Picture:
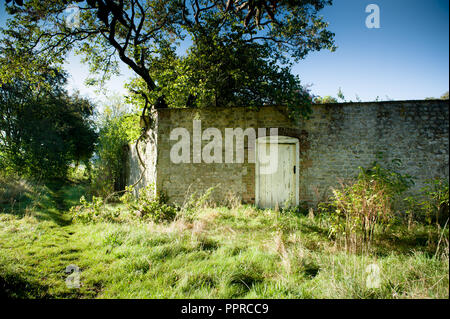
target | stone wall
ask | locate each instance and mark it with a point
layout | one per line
(334, 142)
(342, 137)
(148, 154)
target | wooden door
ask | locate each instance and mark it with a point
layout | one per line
(277, 172)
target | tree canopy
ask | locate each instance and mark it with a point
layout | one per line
(43, 128)
(241, 50)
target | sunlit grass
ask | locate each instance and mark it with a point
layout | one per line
(212, 253)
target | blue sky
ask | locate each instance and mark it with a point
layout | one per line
(406, 58)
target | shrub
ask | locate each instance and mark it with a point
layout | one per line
(436, 203)
(149, 205)
(325, 100)
(145, 207)
(432, 204)
(361, 206)
(13, 189)
(88, 212)
(195, 201)
(114, 136)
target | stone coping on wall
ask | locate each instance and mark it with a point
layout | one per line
(430, 102)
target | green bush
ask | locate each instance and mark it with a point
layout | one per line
(148, 205)
(43, 128)
(196, 201)
(432, 204)
(88, 212)
(365, 204)
(114, 136)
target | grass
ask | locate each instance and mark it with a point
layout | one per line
(239, 252)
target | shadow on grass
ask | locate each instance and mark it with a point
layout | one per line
(49, 202)
(424, 240)
(15, 287)
(398, 239)
(322, 232)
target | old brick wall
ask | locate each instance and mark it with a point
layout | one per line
(334, 142)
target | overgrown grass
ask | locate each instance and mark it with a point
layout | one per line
(219, 252)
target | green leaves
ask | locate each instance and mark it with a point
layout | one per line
(389, 176)
(219, 71)
(43, 129)
(366, 203)
(240, 49)
(148, 206)
(432, 203)
(117, 129)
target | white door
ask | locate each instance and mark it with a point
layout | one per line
(277, 172)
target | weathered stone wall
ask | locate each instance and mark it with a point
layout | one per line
(148, 153)
(334, 142)
(230, 179)
(341, 137)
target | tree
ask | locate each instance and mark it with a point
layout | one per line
(118, 127)
(221, 74)
(139, 32)
(331, 99)
(325, 99)
(43, 128)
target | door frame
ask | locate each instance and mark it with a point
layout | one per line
(277, 140)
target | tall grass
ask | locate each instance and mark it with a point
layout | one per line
(212, 251)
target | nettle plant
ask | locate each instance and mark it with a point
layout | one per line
(361, 206)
